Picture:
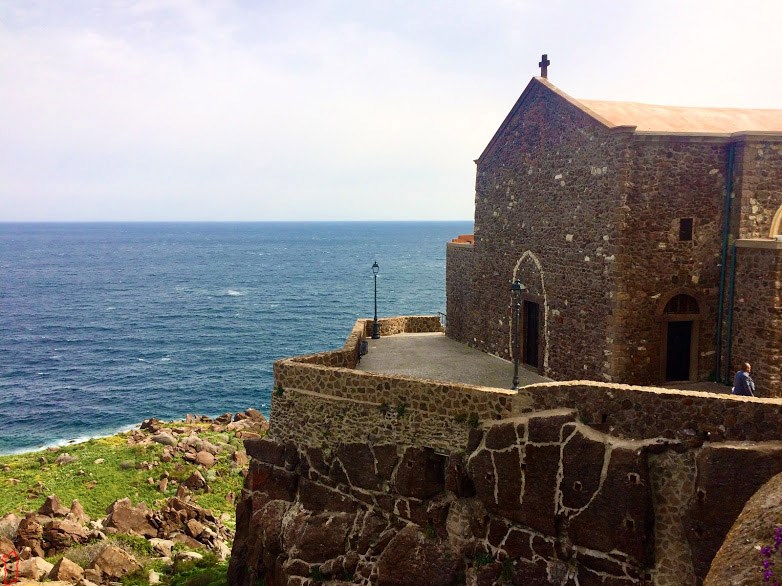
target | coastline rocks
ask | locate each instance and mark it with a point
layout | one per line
(205, 459)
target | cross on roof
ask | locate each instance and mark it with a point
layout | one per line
(544, 63)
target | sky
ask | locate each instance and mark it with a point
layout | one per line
(185, 110)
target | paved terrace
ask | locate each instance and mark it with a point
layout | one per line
(433, 356)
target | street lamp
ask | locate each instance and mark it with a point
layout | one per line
(516, 290)
(375, 334)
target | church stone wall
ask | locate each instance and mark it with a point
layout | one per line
(548, 195)
(458, 290)
(757, 314)
(758, 185)
(672, 178)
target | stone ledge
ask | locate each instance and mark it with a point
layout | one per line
(763, 243)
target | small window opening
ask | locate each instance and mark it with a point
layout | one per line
(685, 229)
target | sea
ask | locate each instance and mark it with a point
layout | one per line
(103, 325)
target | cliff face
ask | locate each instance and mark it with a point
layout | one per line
(538, 499)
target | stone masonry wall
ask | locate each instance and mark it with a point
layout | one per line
(758, 185)
(672, 178)
(757, 316)
(548, 195)
(539, 499)
(458, 288)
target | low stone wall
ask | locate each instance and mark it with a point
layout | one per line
(322, 398)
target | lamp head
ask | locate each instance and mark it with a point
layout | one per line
(375, 268)
(517, 288)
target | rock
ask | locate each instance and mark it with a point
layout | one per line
(8, 525)
(67, 571)
(29, 530)
(92, 576)
(255, 415)
(163, 484)
(195, 482)
(152, 425)
(223, 419)
(14, 481)
(99, 461)
(738, 560)
(187, 556)
(153, 578)
(35, 568)
(59, 535)
(239, 457)
(194, 528)
(113, 562)
(204, 458)
(410, 553)
(126, 518)
(242, 425)
(182, 492)
(187, 541)
(64, 459)
(164, 438)
(162, 546)
(77, 513)
(239, 416)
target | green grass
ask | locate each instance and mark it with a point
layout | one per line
(96, 486)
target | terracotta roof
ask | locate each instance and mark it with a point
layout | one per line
(651, 118)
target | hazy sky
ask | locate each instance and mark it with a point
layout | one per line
(321, 110)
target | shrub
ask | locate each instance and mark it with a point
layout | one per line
(472, 420)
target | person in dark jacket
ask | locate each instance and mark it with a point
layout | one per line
(743, 383)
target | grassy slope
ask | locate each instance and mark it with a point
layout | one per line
(98, 485)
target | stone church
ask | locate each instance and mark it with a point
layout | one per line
(647, 239)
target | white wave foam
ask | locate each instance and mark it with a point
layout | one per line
(234, 293)
(140, 359)
(166, 359)
(107, 432)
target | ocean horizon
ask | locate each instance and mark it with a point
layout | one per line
(105, 324)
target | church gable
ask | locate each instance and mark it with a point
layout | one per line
(537, 118)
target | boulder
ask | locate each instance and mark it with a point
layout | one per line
(164, 438)
(162, 546)
(77, 513)
(255, 415)
(204, 458)
(67, 571)
(35, 568)
(738, 560)
(195, 481)
(152, 425)
(8, 525)
(113, 562)
(64, 459)
(61, 534)
(126, 518)
(52, 507)
(223, 419)
(194, 528)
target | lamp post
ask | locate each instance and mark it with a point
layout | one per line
(375, 334)
(516, 290)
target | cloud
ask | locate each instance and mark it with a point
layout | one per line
(180, 109)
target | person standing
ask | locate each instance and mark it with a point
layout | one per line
(743, 383)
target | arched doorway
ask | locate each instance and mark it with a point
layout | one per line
(681, 316)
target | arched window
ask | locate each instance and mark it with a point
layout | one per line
(776, 224)
(681, 304)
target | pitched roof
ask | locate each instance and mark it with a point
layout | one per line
(651, 118)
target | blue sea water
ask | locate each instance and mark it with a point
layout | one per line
(103, 325)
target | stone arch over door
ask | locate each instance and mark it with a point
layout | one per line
(679, 314)
(529, 271)
(776, 224)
